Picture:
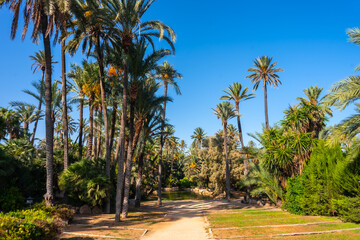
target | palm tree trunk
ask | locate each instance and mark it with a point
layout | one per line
(81, 128)
(98, 151)
(26, 127)
(246, 163)
(49, 126)
(161, 148)
(112, 128)
(104, 110)
(117, 150)
(130, 153)
(266, 107)
(94, 149)
(226, 163)
(64, 107)
(119, 181)
(39, 107)
(91, 131)
(139, 177)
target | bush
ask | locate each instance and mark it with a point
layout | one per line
(294, 195)
(348, 209)
(312, 192)
(38, 223)
(185, 182)
(172, 182)
(86, 182)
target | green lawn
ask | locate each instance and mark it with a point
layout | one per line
(267, 224)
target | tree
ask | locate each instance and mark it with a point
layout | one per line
(225, 111)
(26, 113)
(237, 94)
(266, 73)
(167, 74)
(38, 64)
(199, 135)
(93, 28)
(140, 67)
(77, 75)
(43, 19)
(313, 110)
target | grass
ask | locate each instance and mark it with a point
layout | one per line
(264, 224)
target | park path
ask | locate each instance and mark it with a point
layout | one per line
(184, 221)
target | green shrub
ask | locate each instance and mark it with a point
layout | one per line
(312, 192)
(185, 182)
(15, 228)
(172, 182)
(86, 182)
(38, 223)
(348, 209)
(294, 195)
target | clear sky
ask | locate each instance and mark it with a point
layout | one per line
(216, 44)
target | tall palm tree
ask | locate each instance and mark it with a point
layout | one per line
(39, 64)
(43, 19)
(167, 74)
(148, 114)
(198, 135)
(77, 75)
(225, 111)
(140, 68)
(93, 28)
(130, 27)
(266, 73)
(235, 93)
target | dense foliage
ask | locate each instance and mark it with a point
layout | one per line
(37, 223)
(85, 182)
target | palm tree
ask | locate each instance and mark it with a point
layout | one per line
(27, 114)
(341, 95)
(78, 77)
(225, 111)
(39, 64)
(148, 114)
(129, 27)
(139, 68)
(93, 28)
(199, 135)
(167, 74)
(43, 19)
(266, 72)
(315, 110)
(236, 94)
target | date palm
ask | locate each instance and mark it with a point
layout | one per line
(39, 64)
(26, 113)
(140, 67)
(130, 27)
(93, 28)
(225, 111)
(198, 135)
(264, 72)
(315, 110)
(167, 74)
(42, 15)
(77, 75)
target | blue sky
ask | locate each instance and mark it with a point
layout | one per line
(216, 44)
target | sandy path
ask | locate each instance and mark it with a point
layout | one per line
(184, 221)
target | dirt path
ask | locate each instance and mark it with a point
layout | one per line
(184, 220)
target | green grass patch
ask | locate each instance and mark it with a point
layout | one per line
(257, 222)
